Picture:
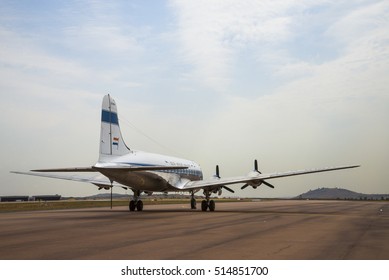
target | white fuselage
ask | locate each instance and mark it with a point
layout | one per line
(153, 181)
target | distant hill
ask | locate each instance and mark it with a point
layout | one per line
(339, 193)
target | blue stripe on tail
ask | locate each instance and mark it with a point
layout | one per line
(109, 117)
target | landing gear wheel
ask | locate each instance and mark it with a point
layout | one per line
(132, 205)
(204, 205)
(139, 205)
(193, 203)
(212, 205)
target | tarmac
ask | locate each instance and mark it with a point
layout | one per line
(266, 230)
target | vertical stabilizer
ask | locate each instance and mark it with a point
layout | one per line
(111, 140)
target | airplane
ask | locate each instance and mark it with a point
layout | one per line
(143, 172)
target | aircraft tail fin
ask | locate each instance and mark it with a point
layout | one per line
(111, 140)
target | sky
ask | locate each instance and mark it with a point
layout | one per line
(294, 84)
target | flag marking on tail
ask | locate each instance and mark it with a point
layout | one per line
(115, 141)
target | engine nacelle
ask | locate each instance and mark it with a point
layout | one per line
(255, 184)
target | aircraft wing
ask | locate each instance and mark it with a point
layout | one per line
(255, 178)
(93, 175)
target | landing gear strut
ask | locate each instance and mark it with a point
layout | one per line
(207, 203)
(192, 201)
(136, 203)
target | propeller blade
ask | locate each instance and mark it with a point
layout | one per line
(228, 189)
(267, 184)
(256, 167)
(217, 171)
(244, 186)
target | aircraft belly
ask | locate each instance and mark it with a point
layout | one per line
(141, 180)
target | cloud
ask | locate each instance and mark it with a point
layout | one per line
(321, 113)
(102, 38)
(101, 28)
(22, 52)
(212, 34)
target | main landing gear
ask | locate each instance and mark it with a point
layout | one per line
(192, 201)
(207, 203)
(136, 203)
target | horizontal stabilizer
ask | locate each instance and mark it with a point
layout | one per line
(71, 169)
(93, 178)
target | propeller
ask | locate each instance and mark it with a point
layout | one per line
(228, 189)
(217, 172)
(217, 175)
(267, 184)
(261, 181)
